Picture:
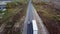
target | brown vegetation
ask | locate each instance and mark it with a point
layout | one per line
(50, 17)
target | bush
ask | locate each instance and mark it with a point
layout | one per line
(11, 5)
(1, 11)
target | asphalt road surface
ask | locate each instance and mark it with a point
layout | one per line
(32, 15)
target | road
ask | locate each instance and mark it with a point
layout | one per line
(32, 15)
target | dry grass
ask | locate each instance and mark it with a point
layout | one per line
(47, 11)
(50, 17)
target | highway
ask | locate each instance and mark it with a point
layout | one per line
(32, 15)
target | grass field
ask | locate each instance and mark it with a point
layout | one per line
(50, 17)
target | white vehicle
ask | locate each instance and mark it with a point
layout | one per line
(35, 28)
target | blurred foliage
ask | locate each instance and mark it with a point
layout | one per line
(1, 11)
(16, 3)
(47, 11)
(57, 17)
(11, 5)
(23, 1)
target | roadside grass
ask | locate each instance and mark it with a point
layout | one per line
(10, 11)
(50, 17)
(11, 14)
(0, 11)
(47, 11)
(16, 18)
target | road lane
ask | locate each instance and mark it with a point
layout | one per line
(28, 18)
(32, 15)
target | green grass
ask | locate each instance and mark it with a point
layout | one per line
(1, 11)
